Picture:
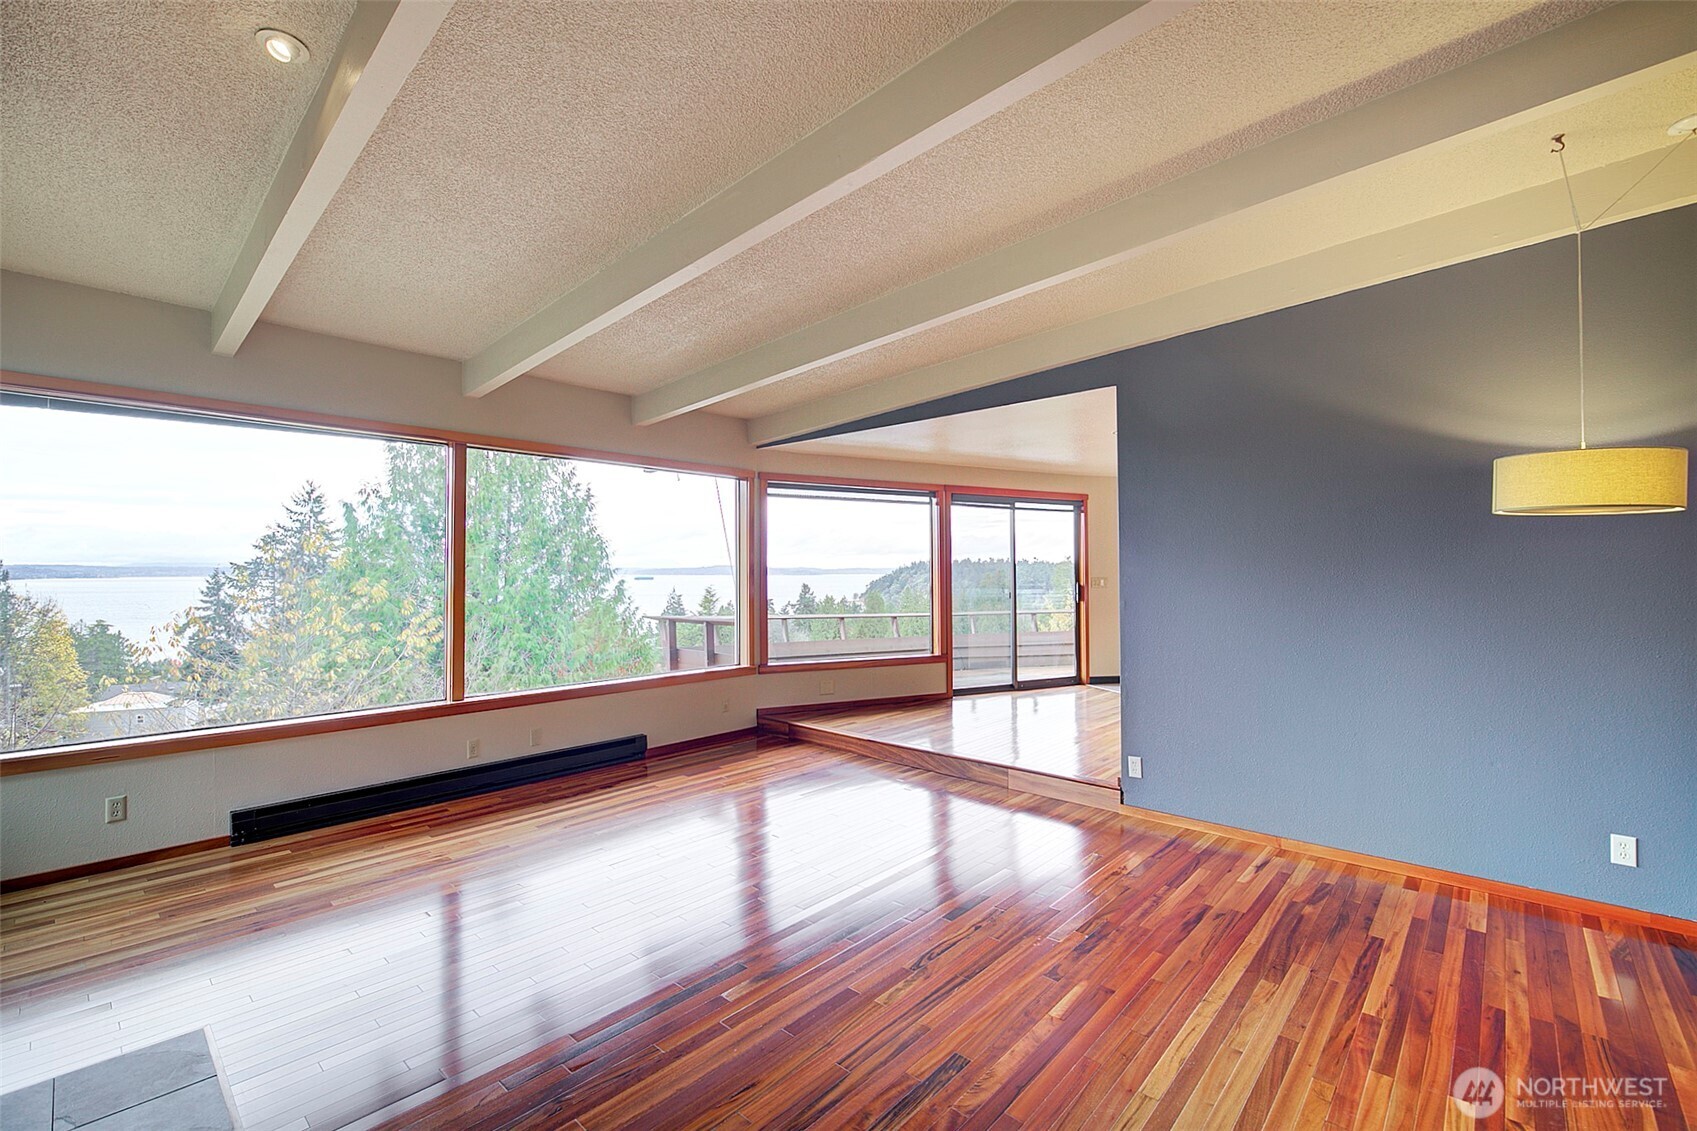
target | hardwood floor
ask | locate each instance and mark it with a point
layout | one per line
(1069, 732)
(778, 935)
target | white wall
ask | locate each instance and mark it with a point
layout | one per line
(52, 819)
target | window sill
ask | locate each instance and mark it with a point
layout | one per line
(181, 742)
(829, 664)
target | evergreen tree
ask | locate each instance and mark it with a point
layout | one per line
(209, 639)
(279, 591)
(106, 656)
(543, 604)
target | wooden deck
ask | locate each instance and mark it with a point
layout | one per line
(1063, 732)
(776, 935)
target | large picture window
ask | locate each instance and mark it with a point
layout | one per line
(849, 572)
(579, 571)
(162, 571)
(180, 573)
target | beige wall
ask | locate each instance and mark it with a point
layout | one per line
(53, 819)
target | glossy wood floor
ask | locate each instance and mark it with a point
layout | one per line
(1069, 732)
(785, 936)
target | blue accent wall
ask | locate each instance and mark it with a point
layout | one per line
(1328, 636)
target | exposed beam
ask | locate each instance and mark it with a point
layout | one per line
(1020, 49)
(1515, 220)
(1569, 65)
(379, 48)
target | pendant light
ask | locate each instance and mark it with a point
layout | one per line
(1587, 480)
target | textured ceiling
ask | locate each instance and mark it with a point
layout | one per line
(1060, 435)
(536, 140)
(1630, 122)
(1224, 77)
(138, 138)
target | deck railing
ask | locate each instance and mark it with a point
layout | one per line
(795, 636)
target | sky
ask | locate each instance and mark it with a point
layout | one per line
(86, 488)
(846, 533)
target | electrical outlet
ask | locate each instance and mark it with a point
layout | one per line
(535, 737)
(1623, 850)
(827, 687)
(117, 809)
(474, 749)
(1134, 767)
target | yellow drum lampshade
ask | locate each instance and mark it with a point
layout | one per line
(1591, 481)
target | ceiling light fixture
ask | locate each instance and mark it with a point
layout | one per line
(1587, 480)
(281, 46)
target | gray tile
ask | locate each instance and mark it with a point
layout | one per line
(198, 1107)
(91, 1093)
(28, 1109)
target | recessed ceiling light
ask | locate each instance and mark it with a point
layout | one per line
(281, 46)
(1686, 125)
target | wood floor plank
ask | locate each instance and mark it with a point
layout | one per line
(784, 935)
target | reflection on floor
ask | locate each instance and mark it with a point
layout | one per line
(1068, 732)
(785, 936)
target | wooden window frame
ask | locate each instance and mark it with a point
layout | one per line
(454, 700)
(939, 592)
(1082, 566)
(942, 556)
(752, 632)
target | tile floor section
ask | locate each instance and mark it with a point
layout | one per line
(170, 1086)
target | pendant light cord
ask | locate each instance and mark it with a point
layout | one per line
(1579, 227)
(1579, 258)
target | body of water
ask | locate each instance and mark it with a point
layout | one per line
(136, 606)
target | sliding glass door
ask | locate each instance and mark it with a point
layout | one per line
(1015, 592)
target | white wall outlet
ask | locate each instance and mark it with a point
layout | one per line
(117, 809)
(474, 749)
(1134, 767)
(827, 687)
(1623, 850)
(535, 737)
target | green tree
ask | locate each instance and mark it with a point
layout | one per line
(41, 683)
(209, 639)
(106, 656)
(543, 604)
(279, 596)
(391, 581)
(336, 619)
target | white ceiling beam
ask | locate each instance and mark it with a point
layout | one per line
(1020, 49)
(1515, 220)
(1568, 65)
(379, 48)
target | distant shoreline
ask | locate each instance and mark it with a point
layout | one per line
(725, 571)
(54, 571)
(23, 572)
